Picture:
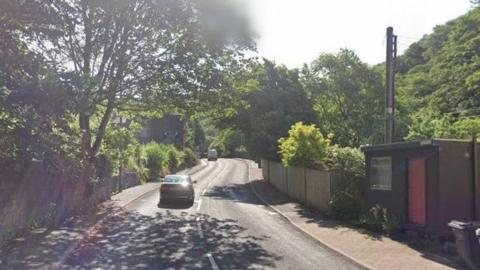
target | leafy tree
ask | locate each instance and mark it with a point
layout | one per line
(195, 135)
(427, 124)
(267, 99)
(304, 146)
(120, 142)
(135, 55)
(439, 77)
(348, 98)
(34, 102)
(227, 142)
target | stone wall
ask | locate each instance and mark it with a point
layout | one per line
(41, 197)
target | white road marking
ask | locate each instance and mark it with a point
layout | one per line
(212, 262)
(209, 183)
(199, 204)
(199, 227)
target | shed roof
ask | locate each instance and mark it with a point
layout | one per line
(410, 144)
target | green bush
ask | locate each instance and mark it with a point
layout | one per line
(157, 159)
(304, 146)
(345, 206)
(174, 157)
(347, 160)
(378, 219)
(189, 158)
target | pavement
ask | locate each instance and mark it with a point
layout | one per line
(367, 250)
(227, 227)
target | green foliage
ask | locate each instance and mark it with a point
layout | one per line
(378, 219)
(349, 161)
(195, 135)
(348, 97)
(438, 79)
(120, 143)
(104, 166)
(189, 158)
(427, 124)
(157, 159)
(304, 146)
(85, 60)
(160, 159)
(227, 142)
(35, 106)
(174, 157)
(266, 100)
(465, 128)
(345, 206)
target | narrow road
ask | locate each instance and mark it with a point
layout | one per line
(226, 228)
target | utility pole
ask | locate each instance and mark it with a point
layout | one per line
(390, 85)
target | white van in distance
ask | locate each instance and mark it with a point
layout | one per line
(212, 154)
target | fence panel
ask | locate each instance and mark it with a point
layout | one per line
(318, 188)
(265, 168)
(296, 183)
(277, 176)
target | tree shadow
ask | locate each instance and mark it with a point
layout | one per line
(234, 193)
(45, 246)
(134, 241)
(130, 240)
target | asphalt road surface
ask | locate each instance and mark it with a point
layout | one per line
(226, 228)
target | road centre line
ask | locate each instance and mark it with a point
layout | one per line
(199, 203)
(209, 183)
(212, 262)
(199, 228)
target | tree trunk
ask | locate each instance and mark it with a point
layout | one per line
(84, 122)
(103, 125)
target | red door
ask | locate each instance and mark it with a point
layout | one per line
(417, 191)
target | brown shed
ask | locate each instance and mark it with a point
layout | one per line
(425, 184)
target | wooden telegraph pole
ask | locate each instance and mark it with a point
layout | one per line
(390, 86)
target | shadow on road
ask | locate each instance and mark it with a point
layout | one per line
(130, 240)
(233, 192)
(134, 241)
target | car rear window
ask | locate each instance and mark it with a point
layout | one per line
(176, 179)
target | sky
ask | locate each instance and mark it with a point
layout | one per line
(293, 32)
